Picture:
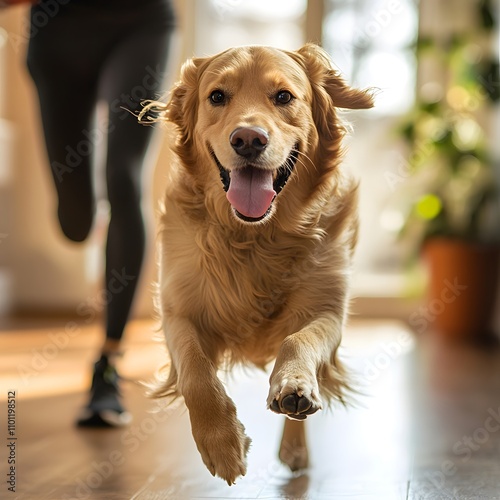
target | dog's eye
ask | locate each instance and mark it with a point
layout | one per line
(217, 97)
(283, 97)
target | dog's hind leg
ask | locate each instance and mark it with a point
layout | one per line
(293, 448)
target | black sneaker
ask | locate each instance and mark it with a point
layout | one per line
(104, 408)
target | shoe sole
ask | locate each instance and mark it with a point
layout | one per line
(105, 418)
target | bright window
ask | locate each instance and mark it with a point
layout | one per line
(221, 24)
(371, 41)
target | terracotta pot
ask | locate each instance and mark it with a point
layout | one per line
(462, 287)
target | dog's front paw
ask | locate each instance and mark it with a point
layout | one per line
(295, 396)
(223, 447)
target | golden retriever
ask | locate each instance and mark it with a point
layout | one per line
(256, 241)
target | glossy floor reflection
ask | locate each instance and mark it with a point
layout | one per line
(425, 425)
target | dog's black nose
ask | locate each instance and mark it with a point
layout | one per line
(249, 142)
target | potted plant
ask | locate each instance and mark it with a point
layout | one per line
(453, 214)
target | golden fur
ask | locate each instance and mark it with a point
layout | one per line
(250, 292)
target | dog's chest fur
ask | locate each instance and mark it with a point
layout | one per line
(242, 288)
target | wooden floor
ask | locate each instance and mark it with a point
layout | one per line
(428, 426)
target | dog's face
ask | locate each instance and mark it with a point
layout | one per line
(259, 114)
(254, 118)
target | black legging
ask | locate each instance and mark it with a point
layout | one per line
(81, 52)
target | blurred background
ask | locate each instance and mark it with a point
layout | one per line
(427, 155)
(426, 272)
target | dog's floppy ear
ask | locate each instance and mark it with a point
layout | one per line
(182, 107)
(323, 76)
(330, 91)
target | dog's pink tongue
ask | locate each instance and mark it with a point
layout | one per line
(251, 191)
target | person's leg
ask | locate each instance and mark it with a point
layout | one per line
(67, 89)
(65, 59)
(140, 61)
(133, 72)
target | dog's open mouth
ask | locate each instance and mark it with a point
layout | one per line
(251, 190)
